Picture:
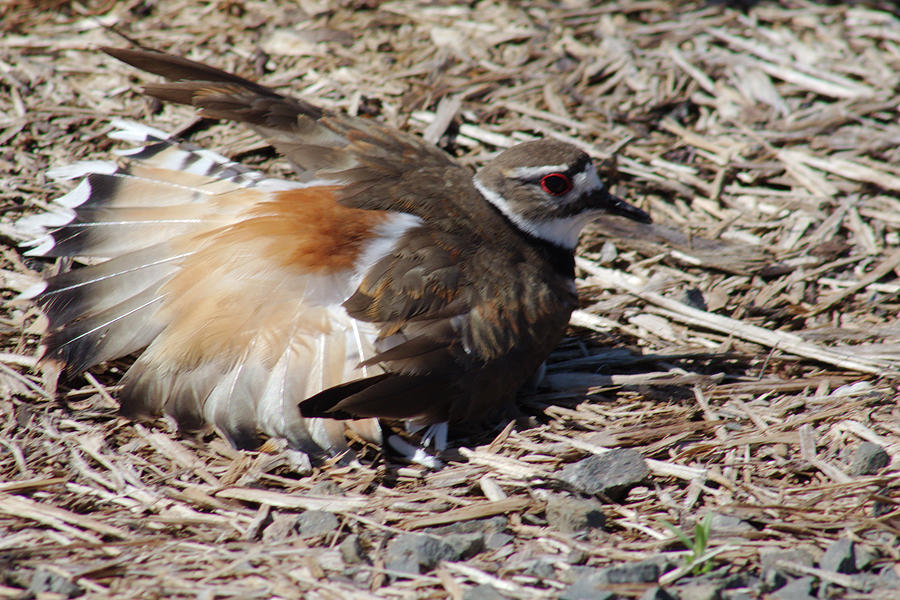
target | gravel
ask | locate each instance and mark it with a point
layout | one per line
(611, 474)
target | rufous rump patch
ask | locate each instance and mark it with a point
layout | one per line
(248, 283)
(313, 231)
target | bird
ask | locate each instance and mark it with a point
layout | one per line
(384, 281)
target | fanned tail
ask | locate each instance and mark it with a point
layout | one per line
(149, 224)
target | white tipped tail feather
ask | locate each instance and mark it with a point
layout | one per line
(228, 336)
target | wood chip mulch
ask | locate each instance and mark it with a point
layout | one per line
(747, 344)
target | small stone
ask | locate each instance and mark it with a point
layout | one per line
(494, 524)
(608, 253)
(657, 593)
(45, 582)
(417, 553)
(773, 576)
(282, 527)
(868, 459)
(740, 595)
(864, 557)
(699, 591)
(665, 562)
(799, 589)
(879, 508)
(840, 557)
(645, 571)
(769, 558)
(716, 575)
(589, 585)
(542, 568)
(352, 550)
(889, 577)
(314, 523)
(326, 488)
(17, 576)
(573, 515)
(483, 592)
(497, 539)
(465, 545)
(728, 525)
(738, 580)
(611, 474)
(694, 297)
(773, 579)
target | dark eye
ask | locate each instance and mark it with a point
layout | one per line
(556, 184)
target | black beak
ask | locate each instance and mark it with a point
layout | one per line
(616, 206)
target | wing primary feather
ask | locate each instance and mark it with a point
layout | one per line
(323, 404)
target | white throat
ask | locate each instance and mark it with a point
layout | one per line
(560, 232)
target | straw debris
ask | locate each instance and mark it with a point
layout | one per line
(746, 344)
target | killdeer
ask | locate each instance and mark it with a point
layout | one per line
(386, 281)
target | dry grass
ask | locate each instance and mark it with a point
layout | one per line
(764, 142)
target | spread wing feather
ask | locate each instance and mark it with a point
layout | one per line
(163, 224)
(314, 139)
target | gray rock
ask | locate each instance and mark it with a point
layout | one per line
(465, 545)
(542, 568)
(840, 557)
(773, 576)
(889, 577)
(483, 592)
(45, 582)
(572, 515)
(880, 508)
(351, 550)
(326, 488)
(769, 558)
(868, 459)
(774, 579)
(17, 576)
(314, 523)
(657, 593)
(497, 539)
(740, 595)
(608, 253)
(665, 562)
(611, 474)
(645, 571)
(417, 553)
(728, 525)
(590, 585)
(282, 527)
(493, 524)
(699, 591)
(694, 297)
(799, 589)
(864, 557)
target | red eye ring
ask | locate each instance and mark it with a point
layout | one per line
(556, 184)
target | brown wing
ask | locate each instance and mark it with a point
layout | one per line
(317, 141)
(463, 326)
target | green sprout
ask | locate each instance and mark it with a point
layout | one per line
(697, 546)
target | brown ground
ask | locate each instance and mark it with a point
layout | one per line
(748, 342)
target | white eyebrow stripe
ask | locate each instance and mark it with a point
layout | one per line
(536, 172)
(533, 172)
